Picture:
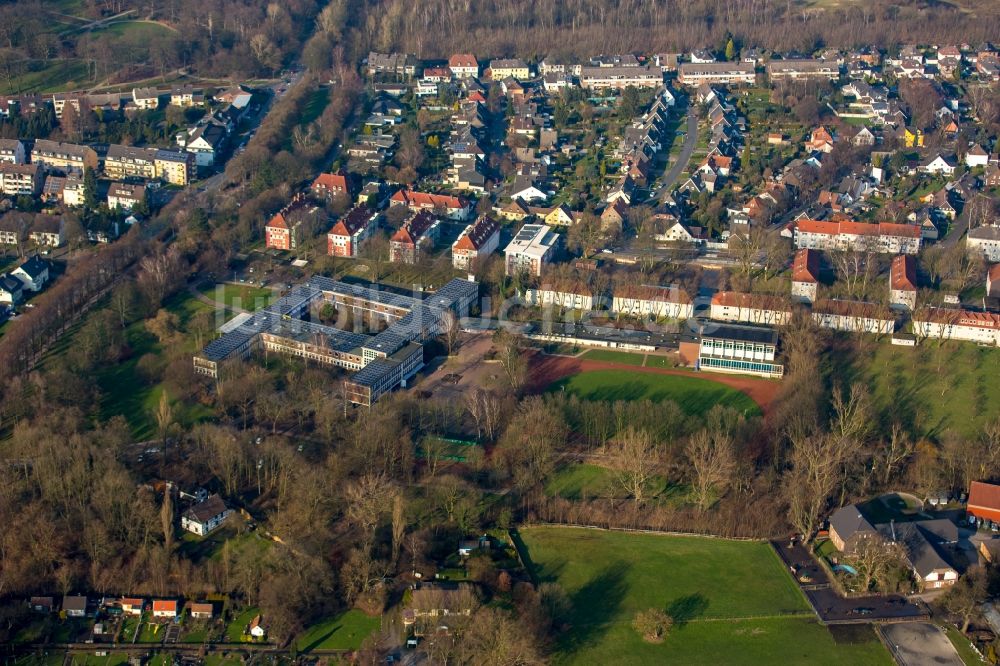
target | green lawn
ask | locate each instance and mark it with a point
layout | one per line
(234, 632)
(610, 356)
(930, 388)
(113, 659)
(136, 31)
(344, 632)
(240, 296)
(962, 645)
(45, 77)
(732, 601)
(150, 632)
(694, 394)
(579, 481)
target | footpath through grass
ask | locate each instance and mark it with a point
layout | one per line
(344, 632)
(694, 394)
(732, 601)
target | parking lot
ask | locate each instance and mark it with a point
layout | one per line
(920, 644)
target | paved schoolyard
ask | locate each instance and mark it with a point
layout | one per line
(920, 644)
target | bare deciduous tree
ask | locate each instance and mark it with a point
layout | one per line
(634, 459)
(712, 463)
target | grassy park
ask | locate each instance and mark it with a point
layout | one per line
(694, 394)
(731, 601)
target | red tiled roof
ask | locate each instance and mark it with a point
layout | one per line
(164, 605)
(836, 306)
(127, 601)
(278, 222)
(995, 273)
(647, 292)
(463, 60)
(903, 273)
(818, 227)
(477, 234)
(958, 318)
(805, 268)
(831, 228)
(737, 299)
(330, 181)
(425, 200)
(984, 495)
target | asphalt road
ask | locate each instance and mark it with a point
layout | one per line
(690, 141)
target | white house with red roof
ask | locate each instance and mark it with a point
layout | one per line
(290, 225)
(416, 236)
(348, 235)
(903, 282)
(478, 240)
(954, 324)
(165, 607)
(884, 237)
(655, 302)
(463, 65)
(445, 205)
(750, 308)
(805, 275)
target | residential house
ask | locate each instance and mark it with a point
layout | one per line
(176, 167)
(125, 196)
(937, 165)
(750, 308)
(398, 64)
(444, 205)
(20, 179)
(326, 186)
(205, 517)
(514, 68)
(74, 605)
(147, 98)
(729, 73)
(913, 138)
(165, 608)
(619, 78)
(11, 289)
(676, 231)
(73, 189)
(864, 137)
(59, 155)
(652, 302)
(292, 224)
(853, 316)
(805, 275)
(820, 140)
(985, 239)
(614, 214)
(13, 230)
(347, 237)
(903, 282)
(984, 501)
(463, 66)
(133, 605)
(849, 528)
(477, 241)
(417, 235)
(884, 237)
(33, 273)
(201, 610)
(204, 141)
(187, 96)
(431, 605)
(533, 246)
(124, 161)
(976, 157)
(42, 604)
(13, 151)
(572, 294)
(796, 69)
(256, 629)
(954, 324)
(47, 230)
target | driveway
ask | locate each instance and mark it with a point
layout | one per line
(690, 141)
(830, 606)
(920, 644)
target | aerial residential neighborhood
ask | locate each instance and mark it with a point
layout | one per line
(506, 333)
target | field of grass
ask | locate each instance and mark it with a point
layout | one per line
(150, 632)
(579, 482)
(694, 395)
(113, 659)
(962, 645)
(240, 296)
(732, 602)
(610, 356)
(47, 77)
(135, 31)
(931, 388)
(344, 632)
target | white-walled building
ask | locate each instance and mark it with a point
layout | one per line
(805, 275)
(533, 246)
(652, 302)
(884, 237)
(903, 282)
(853, 317)
(480, 239)
(947, 324)
(750, 308)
